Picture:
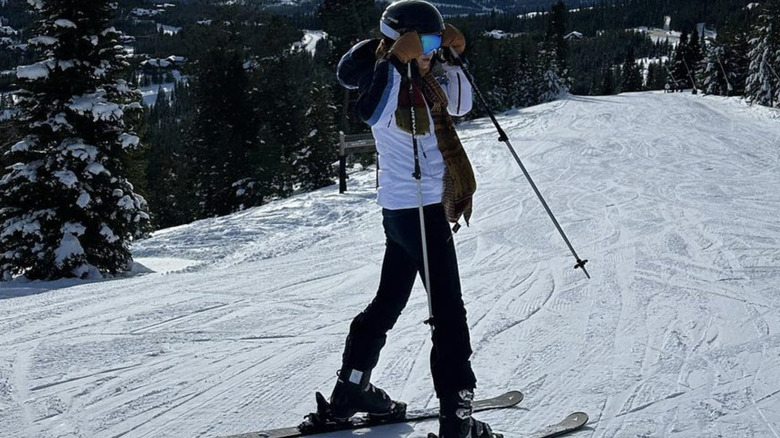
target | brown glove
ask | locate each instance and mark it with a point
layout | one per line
(452, 37)
(407, 47)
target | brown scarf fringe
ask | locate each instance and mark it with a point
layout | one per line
(459, 183)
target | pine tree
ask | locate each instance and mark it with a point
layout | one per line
(763, 82)
(694, 55)
(656, 76)
(224, 130)
(347, 22)
(609, 83)
(555, 46)
(736, 60)
(67, 208)
(314, 163)
(680, 78)
(632, 75)
(714, 78)
(550, 85)
(523, 90)
(556, 31)
(170, 179)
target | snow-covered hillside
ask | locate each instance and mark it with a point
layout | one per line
(672, 197)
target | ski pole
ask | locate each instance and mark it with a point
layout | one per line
(418, 176)
(503, 138)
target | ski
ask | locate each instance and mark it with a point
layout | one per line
(569, 424)
(506, 400)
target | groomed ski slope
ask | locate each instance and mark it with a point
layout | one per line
(674, 199)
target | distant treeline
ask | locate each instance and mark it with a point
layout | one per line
(256, 119)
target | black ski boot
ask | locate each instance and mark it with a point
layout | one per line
(455, 420)
(354, 393)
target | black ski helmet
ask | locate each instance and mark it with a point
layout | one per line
(407, 15)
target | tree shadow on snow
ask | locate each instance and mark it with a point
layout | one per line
(23, 288)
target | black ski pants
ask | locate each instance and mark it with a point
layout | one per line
(403, 261)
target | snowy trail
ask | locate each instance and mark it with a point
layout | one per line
(671, 197)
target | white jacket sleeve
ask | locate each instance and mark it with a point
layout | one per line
(378, 102)
(458, 90)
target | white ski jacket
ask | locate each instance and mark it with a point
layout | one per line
(377, 106)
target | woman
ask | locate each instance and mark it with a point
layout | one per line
(414, 36)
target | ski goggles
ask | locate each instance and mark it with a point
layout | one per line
(430, 42)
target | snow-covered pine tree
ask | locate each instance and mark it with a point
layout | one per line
(552, 72)
(66, 210)
(714, 78)
(763, 81)
(550, 84)
(695, 55)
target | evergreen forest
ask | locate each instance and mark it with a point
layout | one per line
(120, 118)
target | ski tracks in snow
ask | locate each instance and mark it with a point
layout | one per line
(670, 197)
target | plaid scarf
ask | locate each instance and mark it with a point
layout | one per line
(459, 183)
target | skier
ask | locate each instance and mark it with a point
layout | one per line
(415, 34)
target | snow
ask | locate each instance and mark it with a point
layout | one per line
(499, 34)
(96, 104)
(168, 30)
(21, 146)
(108, 233)
(310, 40)
(84, 200)
(660, 35)
(63, 22)
(43, 40)
(230, 324)
(141, 12)
(33, 71)
(150, 92)
(28, 171)
(74, 228)
(36, 4)
(8, 114)
(80, 150)
(66, 178)
(96, 169)
(530, 14)
(40, 70)
(126, 202)
(28, 225)
(162, 63)
(69, 247)
(129, 140)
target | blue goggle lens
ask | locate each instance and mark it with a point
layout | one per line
(430, 42)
